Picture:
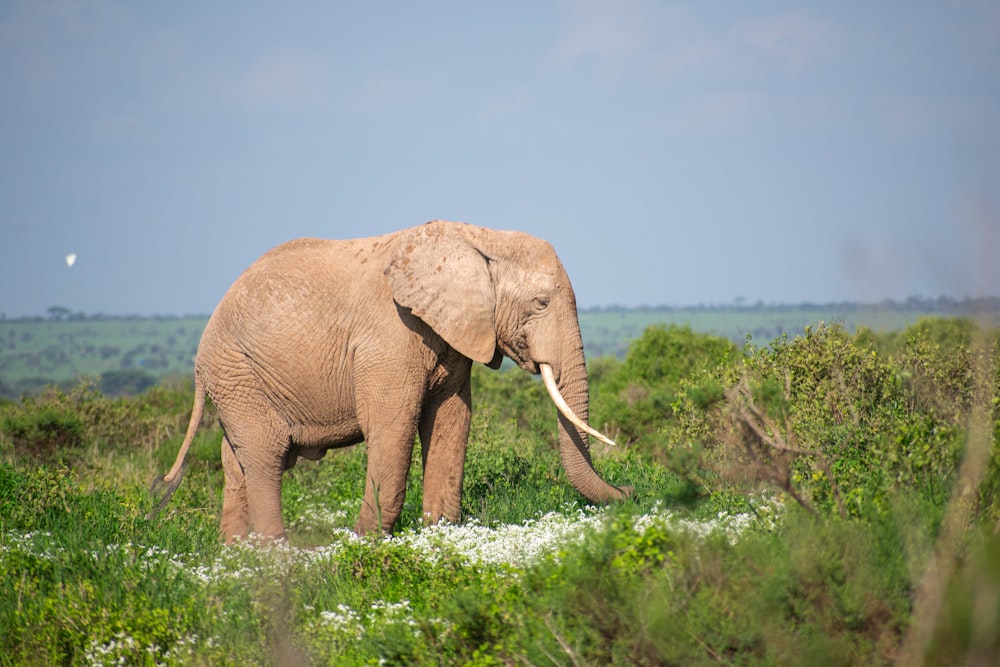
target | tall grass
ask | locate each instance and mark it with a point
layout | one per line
(735, 549)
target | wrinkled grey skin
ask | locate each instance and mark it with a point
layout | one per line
(323, 344)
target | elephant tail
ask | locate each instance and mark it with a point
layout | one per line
(164, 486)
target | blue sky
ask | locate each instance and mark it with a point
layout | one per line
(674, 153)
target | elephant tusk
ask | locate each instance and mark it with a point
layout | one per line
(550, 384)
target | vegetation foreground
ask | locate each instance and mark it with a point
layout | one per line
(828, 499)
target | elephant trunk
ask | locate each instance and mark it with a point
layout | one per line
(572, 399)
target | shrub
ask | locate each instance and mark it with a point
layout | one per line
(631, 401)
(43, 429)
(126, 382)
(832, 593)
(830, 421)
(511, 395)
(938, 362)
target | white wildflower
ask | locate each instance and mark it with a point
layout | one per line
(318, 517)
(114, 652)
(344, 620)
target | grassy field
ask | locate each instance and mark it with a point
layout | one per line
(131, 354)
(829, 500)
(36, 352)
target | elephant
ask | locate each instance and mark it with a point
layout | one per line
(322, 344)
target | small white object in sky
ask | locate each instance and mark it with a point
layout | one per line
(71, 259)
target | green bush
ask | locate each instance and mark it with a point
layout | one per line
(967, 622)
(631, 401)
(511, 395)
(832, 422)
(939, 362)
(126, 382)
(56, 423)
(44, 428)
(831, 593)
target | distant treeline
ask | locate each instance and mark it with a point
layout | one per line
(61, 314)
(942, 305)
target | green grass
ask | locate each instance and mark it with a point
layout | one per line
(716, 560)
(88, 579)
(38, 352)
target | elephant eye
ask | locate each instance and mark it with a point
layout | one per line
(541, 301)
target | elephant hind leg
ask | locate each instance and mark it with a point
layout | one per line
(235, 511)
(254, 457)
(264, 502)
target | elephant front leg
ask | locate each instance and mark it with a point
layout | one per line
(385, 484)
(389, 435)
(444, 436)
(388, 399)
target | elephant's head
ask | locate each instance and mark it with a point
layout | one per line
(490, 293)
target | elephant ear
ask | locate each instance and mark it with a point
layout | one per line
(445, 281)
